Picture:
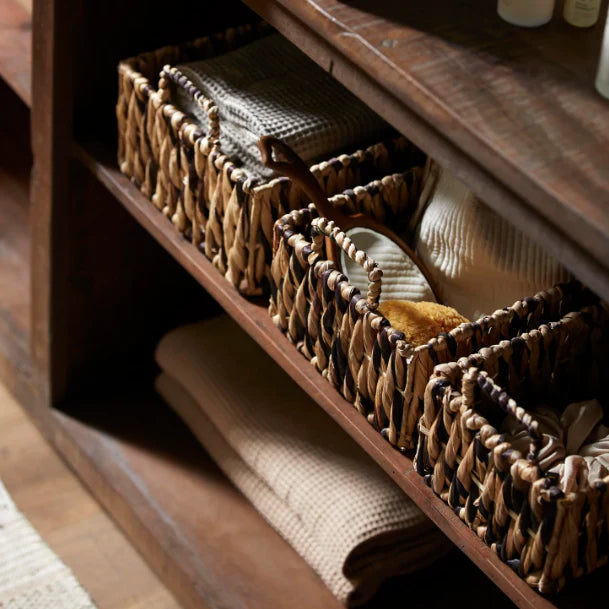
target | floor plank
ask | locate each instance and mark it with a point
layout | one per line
(16, 46)
(71, 521)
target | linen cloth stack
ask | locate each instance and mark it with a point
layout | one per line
(269, 87)
(298, 468)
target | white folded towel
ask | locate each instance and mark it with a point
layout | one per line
(323, 494)
(479, 262)
(269, 87)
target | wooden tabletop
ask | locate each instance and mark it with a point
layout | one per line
(512, 111)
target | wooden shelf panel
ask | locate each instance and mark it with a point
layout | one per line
(254, 319)
(512, 111)
(194, 528)
(16, 47)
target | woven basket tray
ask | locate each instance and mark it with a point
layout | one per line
(357, 350)
(545, 534)
(208, 198)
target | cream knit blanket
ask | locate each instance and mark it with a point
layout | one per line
(269, 87)
(311, 482)
(31, 575)
(479, 262)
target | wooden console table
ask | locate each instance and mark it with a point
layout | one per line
(86, 291)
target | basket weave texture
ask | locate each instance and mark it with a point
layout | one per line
(337, 329)
(547, 534)
(226, 214)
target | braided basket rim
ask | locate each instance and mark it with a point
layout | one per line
(295, 222)
(468, 371)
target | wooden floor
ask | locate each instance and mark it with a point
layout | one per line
(71, 521)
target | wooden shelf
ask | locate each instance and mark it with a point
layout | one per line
(16, 47)
(15, 164)
(512, 111)
(194, 528)
(254, 319)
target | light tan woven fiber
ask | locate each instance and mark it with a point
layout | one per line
(181, 164)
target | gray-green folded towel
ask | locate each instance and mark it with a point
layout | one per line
(269, 87)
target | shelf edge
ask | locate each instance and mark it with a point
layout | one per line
(256, 322)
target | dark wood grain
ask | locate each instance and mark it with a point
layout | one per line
(51, 200)
(511, 111)
(254, 319)
(16, 48)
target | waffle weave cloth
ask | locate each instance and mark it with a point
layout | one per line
(269, 87)
(298, 468)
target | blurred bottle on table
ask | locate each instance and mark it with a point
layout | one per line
(582, 13)
(526, 13)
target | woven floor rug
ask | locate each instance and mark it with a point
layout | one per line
(31, 574)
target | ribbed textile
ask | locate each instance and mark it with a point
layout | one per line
(31, 575)
(308, 479)
(269, 87)
(478, 261)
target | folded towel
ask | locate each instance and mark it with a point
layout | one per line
(323, 494)
(269, 87)
(478, 261)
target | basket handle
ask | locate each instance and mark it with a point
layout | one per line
(327, 225)
(324, 228)
(297, 170)
(174, 75)
(509, 406)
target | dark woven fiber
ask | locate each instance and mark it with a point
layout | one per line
(548, 536)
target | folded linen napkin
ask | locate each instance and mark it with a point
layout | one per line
(479, 262)
(575, 445)
(269, 87)
(322, 493)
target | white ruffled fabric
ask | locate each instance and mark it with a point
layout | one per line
(478, 261)
(308, 479)
(269, 87)
(575, 445)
